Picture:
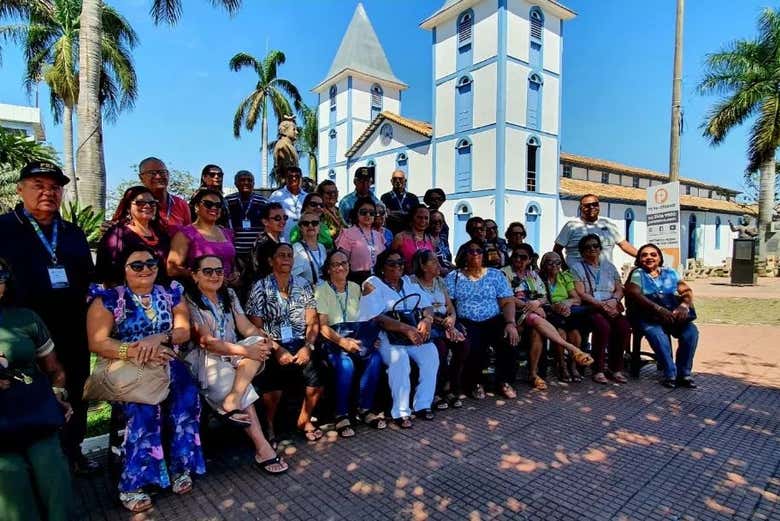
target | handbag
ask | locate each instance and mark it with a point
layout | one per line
(127, 381)
(29, 410)
(410, 317)
(367, 332)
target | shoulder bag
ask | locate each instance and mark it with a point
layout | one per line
(410, 317)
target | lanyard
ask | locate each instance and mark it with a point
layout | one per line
(169, 200)
(312, 265)
(51, 247)
(597, 277)
(220, 318)
(400, 201)
(371, 248)
(656, 282)
(346, 300)
(245, 209)
(284, 303)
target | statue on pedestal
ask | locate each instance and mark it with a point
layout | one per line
(285, 153)
(744, 229)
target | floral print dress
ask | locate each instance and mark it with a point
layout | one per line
(144, 459)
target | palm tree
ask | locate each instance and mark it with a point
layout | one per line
(51, 47)
(269, 88)
(746, 74)
(16, 150)
(90, 159)
(307, 137)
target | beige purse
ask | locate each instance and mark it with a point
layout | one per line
(126, 381)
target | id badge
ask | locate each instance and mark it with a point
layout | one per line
(287, 333)
(246, 224)
(58, 277)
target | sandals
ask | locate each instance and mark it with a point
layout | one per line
(344, 427)
(478, 393)
(575, 375)
(509, 392)
(313, 434)
(267, 465)
(425, 414)
(136, 502)
(456, 402)
(563, 374)
(182, 484)
(376, 421)
(600, 378)
(582, 358)
(405, 422)
(538, 383)
(618, 377)
(440, 404)
(226, 418)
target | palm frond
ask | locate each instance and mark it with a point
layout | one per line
(242, 59)
(256, 109)
(765, 134)
(279, 104)
(238, 119)
(271, 64)
(290, 90)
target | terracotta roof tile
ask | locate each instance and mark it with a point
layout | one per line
(421, 127)
(576, 188)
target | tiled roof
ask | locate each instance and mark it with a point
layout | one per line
(619, 168)
(421, 127)
(576, 188)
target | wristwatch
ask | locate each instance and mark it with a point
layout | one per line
(61, 391)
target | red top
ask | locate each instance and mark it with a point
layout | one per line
(174, 213)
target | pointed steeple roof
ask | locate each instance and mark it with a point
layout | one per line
(360, 51)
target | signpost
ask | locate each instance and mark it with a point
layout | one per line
(663, 221)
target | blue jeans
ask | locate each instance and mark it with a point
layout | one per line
(658, 337)
(343, 365)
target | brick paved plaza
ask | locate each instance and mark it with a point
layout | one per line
(633, 452)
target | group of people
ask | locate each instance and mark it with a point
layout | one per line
(228, 302)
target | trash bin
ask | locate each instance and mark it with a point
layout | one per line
(743, 262)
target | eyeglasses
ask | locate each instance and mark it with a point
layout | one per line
(397, 179)
(339, 264)
(475, 252)
(553, 263)
(394, 263)
(142, 203)
(4, 276)
(214, 174)
(278, 218)
(210, 205)
(138, 266)
(309, 223)
(152, 173)
(372, 213)
(312, 204)
(210, 272)
(293, 177)
(592, 246)
(591, 205)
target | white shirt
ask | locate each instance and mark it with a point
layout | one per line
(304, 260)
(576, 229)
(292, 205)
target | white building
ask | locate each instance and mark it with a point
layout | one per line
(22, 119)
(493, 145)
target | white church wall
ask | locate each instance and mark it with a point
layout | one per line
(517, 29)
(361, 99)
(484, 89)
(483, 160)
(445, 49)
(402, 139)
(445, 109)
(516, 99)
(485, 30)
(483, 206)
(420, 176)
(551, 44)
(550, 105)
(517, 161)
(445, 165)
(515, 210)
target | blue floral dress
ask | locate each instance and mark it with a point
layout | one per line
(144, 460)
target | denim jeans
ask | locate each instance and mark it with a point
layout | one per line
(343, 365)
(658, 337)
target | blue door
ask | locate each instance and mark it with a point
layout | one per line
(460, 228)
(532, 215)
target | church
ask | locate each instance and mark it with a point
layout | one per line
(493, 144)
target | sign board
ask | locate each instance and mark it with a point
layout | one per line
(663, 220)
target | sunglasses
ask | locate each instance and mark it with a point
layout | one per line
(141, 203)
(138, 266)
(315, 205)
(293, 177)
(210, 205)
(394, 263)
(590, 205)
(209, 272)
(521, 234)
(372, 213)
(592, 246)
(278, 218)
(553, 263)
(309, 223)
(341, 264)
(475, 252)
(522, 257)
(4, 276)
(398, 180)
(214, 174)
(151, 173)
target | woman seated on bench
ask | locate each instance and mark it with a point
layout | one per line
(661, 305)
(223, 367)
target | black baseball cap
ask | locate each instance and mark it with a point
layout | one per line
(365, 171)
(43, 168)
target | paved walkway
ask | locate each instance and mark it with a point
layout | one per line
(582, 451)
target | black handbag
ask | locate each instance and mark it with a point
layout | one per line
(29, 410)
(366, 332)
(410, 317)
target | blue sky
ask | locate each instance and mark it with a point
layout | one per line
(616, 80)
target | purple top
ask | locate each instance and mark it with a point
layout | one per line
(200, 246)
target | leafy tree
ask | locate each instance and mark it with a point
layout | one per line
(746, 73)
(16, 150)
(180, 182)
(269, 89)
(85, 218)
(308, 135)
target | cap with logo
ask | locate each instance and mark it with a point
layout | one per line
(43, 168)
(365, 172)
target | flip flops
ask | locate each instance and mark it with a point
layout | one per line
(226, 418)
(266, 466)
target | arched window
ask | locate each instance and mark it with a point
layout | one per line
(536, 18)
(465, 36)
(629, 218)
(532, 163)
(332, 146)
(332, 114)
(402, 163)
(693, 237)
(376, 100)
(463, 213)
(532, 217)
(331, 174)
(371, 162)
(717, 232)
(534, 108)
(463, 165)
(463, 103)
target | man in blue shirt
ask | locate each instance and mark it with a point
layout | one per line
(364, 178)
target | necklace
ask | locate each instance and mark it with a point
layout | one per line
(146, 303)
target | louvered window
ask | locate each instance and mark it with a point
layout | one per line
(376, 100)
(465, 24)
(537, 21)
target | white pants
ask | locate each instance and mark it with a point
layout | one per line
(397, 360)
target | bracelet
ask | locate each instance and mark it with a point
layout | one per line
(60, 391)
(123, 350)
(309, 345)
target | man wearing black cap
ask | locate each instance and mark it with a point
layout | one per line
(364, 178)
(53, 267)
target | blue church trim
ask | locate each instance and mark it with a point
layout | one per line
(532, 217)
(518, 61)
(533, 106)
(464, 166)
(489, 192)
(433, 105)
(349, 112)
(342, 122)
(471, 68)
(464, 46)
(559, 204)
(524, 128)
(501, 115)
(464, 103)
(458, 135)
(536, 43)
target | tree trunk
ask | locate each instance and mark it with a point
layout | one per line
(766, 202)
(264, 174)
(90, 137)
(67, 145)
